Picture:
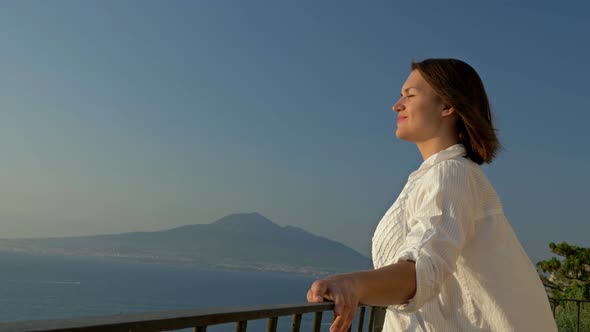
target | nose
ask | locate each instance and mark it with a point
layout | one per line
(397, 107)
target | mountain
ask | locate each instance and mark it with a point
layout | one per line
(239, 241)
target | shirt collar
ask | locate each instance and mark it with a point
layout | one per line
(457, 150)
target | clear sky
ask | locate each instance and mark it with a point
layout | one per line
(123, 116)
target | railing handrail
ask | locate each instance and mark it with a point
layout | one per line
(569, 300)
(555, 302)
(166, 320)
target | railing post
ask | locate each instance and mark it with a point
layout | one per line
(317, 322)
(241, 326)
(361, 320)
(200, 329)
(379, 319)
(578, 324)
(371, 319)
(296, 323)
(271, 326)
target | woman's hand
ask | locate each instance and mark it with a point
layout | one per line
(344, 291)
(388, 285)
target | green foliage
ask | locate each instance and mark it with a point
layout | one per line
(566, 316)
(568, 278)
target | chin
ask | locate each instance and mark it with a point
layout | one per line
(400, 134)
(403, 136)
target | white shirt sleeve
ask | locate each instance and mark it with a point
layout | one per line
(443, 221)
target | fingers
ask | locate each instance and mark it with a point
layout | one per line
(351, 315)
(339, 305)
(344, 296)
(340, 324)
(351, 309)
(317, 291)
(344, 310)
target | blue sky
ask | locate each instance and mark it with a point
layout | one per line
(144, 115)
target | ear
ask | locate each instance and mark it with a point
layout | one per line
(447, 110)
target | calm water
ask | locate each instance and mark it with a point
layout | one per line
(47, 287)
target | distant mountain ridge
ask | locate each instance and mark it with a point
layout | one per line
(237, 241)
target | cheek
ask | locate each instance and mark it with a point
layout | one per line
(424, 114)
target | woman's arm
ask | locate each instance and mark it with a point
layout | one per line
(392, 284)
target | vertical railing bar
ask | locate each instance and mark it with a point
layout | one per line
(317, 321)
(379, 320)
(371, 319)
(241, 326)
(578, 324)
(296, 323)
(361, 320)
(200, 329)
(271, 325)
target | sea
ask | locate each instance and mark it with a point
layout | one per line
(40, 287)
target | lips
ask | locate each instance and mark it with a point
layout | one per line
(401, 118)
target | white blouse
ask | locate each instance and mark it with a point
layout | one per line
(472, 274)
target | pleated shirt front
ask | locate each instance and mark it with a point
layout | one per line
(472, 273)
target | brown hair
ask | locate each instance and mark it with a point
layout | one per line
(459, 85)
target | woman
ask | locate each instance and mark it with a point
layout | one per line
(446, 258)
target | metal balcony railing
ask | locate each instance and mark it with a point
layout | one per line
(565, 320)
(200, 319)
(567, 315)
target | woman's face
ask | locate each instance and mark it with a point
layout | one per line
(420, 110)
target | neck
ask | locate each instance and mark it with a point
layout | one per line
(435, 145)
